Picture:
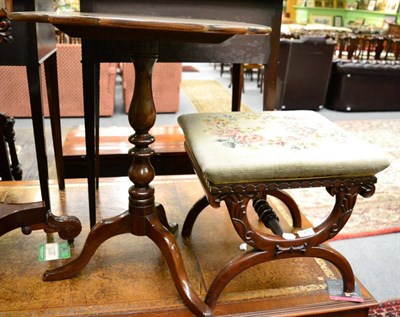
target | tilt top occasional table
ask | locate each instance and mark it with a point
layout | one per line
(236, 51)
(144, 217)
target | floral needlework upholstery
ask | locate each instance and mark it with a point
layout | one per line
(276, 145)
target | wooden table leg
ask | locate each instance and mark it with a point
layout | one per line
(142, 207)
(51, 223)
(33, 73)
(142, 217)
(237, 86)
(50, 66)
(102, 231)
(90, 72)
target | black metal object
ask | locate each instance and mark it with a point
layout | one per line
(267, 216)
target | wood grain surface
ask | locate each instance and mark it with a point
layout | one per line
(128, 276)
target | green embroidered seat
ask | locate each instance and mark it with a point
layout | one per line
(241, 157)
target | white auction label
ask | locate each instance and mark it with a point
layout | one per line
(306, 232)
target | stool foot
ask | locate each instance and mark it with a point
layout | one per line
(192, 215)
(102, 231)
(232, 269)
(339, 261)
(255, 257)
(167, 244)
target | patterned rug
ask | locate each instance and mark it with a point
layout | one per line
(209, 96)
(379, 214)
(387, 309)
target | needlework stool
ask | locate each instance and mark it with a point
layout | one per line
(242, 157)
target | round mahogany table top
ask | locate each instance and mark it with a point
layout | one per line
(140, 27)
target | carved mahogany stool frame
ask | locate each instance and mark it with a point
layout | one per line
(269, 247)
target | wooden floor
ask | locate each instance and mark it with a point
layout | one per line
(128, 277)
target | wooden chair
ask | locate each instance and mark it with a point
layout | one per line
(243, 158)
(8, 170)
(368, 47)
(393, 45)
(249, 70)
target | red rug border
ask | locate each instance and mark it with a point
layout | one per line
(364, 234)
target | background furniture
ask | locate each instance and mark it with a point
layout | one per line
(366, 73)
(166, 85)
(40, 49)
(33, 45)
(364, 87)
(69, 70)
(249, 50)
(304, 72)
(368, 47)
(9, 165)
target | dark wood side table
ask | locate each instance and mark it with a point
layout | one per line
(142, 35)
(30, 45)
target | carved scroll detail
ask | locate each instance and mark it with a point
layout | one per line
(68, 227)
(346, 191)
(220, 191)
(301, 248)
(239, 219)
(346, 197)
